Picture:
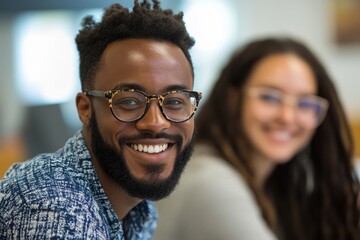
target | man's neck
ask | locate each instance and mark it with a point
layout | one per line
(120, 200)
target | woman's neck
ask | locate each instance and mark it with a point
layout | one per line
(262, 169)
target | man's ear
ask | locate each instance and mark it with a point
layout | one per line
(83, 106)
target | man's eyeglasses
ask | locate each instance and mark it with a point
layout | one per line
(310, 110)
(129, 105)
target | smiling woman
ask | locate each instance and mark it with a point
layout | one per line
(273, 158)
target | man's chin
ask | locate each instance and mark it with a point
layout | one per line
(154, 185)
(151, 179)
(151, 187)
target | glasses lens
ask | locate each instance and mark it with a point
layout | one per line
(179, 106)
(128, 106)
(312, 109)
(266, 102)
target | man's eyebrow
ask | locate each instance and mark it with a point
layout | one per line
(135, 86)
(123, 86)
(175, 87)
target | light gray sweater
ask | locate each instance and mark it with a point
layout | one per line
(212, 202)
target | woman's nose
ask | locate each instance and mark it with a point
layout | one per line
(287, 113)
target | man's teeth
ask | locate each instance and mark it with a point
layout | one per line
(149, 148)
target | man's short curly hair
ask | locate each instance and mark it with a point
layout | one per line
(120, 23)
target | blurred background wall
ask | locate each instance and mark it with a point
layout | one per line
(39, 65)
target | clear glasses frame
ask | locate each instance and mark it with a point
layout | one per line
(310, 102)
(148, 98)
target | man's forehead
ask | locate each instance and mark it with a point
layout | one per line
(140, 61)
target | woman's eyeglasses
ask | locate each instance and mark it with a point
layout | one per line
(310, 110)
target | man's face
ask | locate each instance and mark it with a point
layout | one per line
(155, 68)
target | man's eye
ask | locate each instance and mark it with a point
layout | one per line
(127, 103)
(174, 103)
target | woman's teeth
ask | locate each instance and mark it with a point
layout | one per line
(281, 135)
(149, 148)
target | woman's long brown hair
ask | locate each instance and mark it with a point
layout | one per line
(327, 210)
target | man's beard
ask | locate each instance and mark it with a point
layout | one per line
(114, 165)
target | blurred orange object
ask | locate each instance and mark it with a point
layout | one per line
(355, 127)
(11, 151)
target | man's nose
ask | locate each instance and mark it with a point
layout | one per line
(153, 120)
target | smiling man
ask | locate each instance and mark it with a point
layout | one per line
(137, 107)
